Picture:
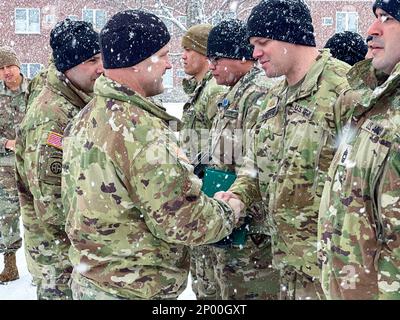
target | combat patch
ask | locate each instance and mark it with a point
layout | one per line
(50, 167)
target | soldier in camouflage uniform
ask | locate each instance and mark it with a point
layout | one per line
(13, 86)
(359, 235)
(204, 92)
(243, 268)
(69, 81)
(295, 140)
(198, 113)
(132, 200)
(37, 83)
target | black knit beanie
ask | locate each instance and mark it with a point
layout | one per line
(392, 7)
(284, 20)
(347, 46)
(228, 39)
(73, 42)
(130, 37)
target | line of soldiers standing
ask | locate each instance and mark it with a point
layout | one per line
(112, 207)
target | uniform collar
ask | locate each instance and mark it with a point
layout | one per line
(59, 83)
(310, 81)
(108, 88)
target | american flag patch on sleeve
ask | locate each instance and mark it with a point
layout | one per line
(54, 139)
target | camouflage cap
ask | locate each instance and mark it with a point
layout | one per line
(196, 38)
(8, 57)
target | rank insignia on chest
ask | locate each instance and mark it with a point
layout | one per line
(55, 140)
(345, 155)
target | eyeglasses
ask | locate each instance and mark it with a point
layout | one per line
(213, 60)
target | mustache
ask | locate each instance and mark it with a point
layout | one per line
(375, 41)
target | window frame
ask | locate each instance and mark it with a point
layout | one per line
(94, 23)
(327, 24)
(27, 10)
(76, 17)
(347, 15)
(28, 69)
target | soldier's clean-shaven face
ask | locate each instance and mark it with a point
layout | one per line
(84, 75)
(225, 70)
(385, 43)
(151, 71)
(193, 62)
(274, 56)
(10, 75)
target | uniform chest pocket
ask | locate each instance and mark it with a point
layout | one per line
(367, 153)
(6, 111)
(309, 147)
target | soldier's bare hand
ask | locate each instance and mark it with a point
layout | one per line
(237, 207)
(225, 196)
(10, 145)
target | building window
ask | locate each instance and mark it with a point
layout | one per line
(180, 73)
(327, 21)
(168, 79)
(29, 70)
(97, 17)
(50, 19)
(73, 17)
(27, 21)
(346, 21)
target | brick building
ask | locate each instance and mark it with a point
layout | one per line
(26, 24)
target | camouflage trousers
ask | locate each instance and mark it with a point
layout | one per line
(202, 270)
(49, 267)
(245, 272)
(83, 289)
(10, 238)
(297, 286)
(54, 288)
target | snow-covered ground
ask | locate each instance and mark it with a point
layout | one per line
(22, 289)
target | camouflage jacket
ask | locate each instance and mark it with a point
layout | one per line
(237, 113)
(198, 114)
(36, 85)
(132, 199)
(12, 111)
(286, 165)
(39, 159)
(362, 78)
(359, 216)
